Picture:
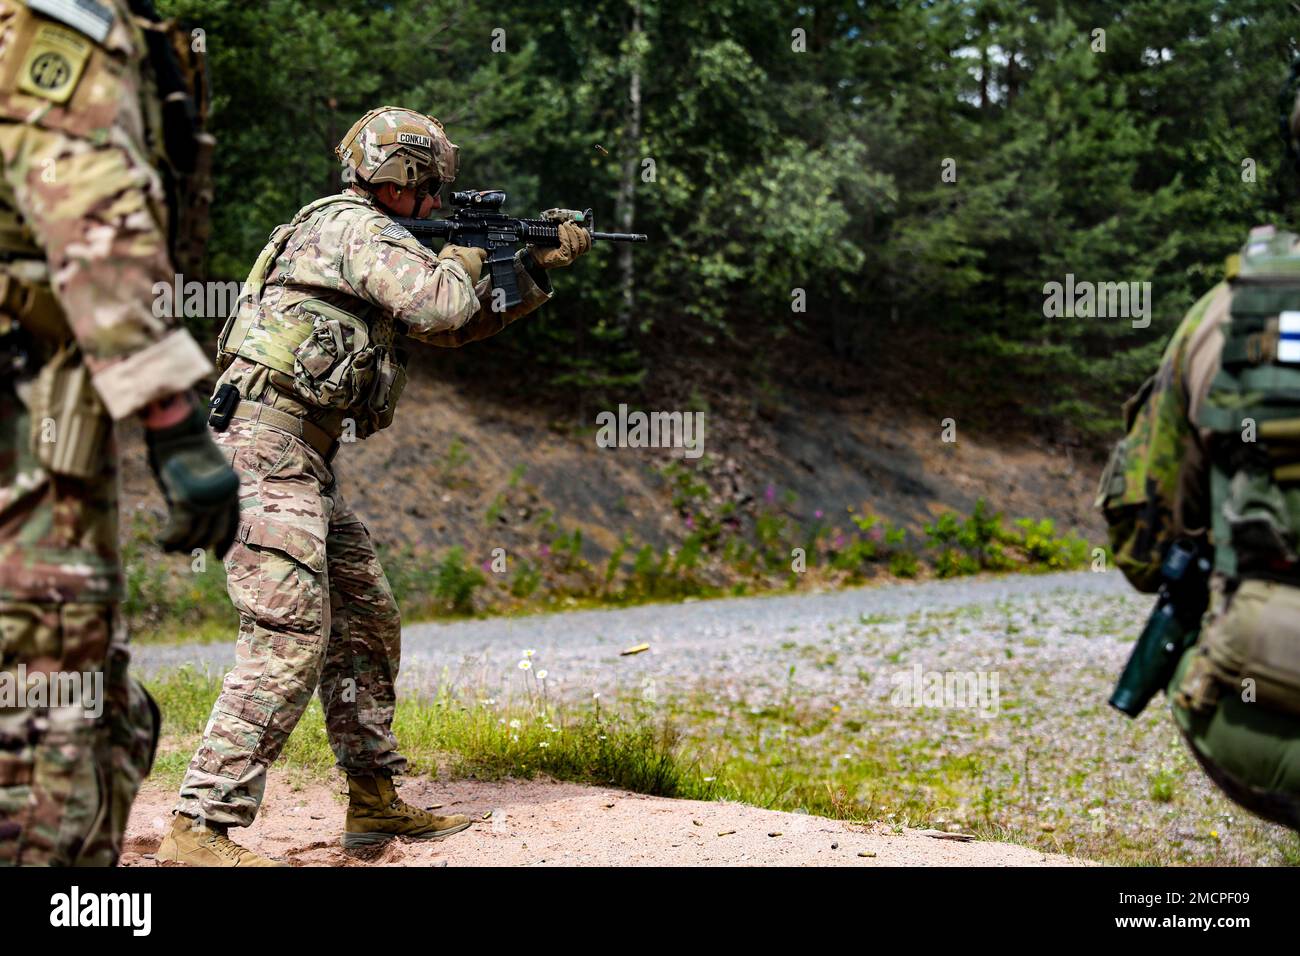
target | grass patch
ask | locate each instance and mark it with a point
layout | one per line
(457, 733)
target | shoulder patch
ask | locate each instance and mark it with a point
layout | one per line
(395, 232)
(54, 61)
(90, 17)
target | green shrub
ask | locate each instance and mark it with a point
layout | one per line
(455, 582)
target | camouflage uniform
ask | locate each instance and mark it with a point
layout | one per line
(81, 219)
(315, 607)
(1157, 488)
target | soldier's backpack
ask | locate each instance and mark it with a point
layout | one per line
(1253, 412)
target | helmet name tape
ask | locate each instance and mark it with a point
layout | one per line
(415, 139)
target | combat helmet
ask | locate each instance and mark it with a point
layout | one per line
(401, 146)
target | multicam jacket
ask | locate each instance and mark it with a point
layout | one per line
(82, 244)
(318, 329)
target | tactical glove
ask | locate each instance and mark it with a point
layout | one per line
(574, 242)
(202, 491)
(471, 257)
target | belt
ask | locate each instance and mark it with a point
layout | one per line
(320, 440)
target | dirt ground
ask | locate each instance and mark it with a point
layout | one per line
(544, 823)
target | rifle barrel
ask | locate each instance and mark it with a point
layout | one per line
(620, 236)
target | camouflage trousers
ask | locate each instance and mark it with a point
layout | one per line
(315, 611)
(71, 760)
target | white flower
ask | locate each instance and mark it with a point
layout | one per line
(515, 725)
(525, 664)
(541, 675)
(544, 744)
(529, 652)
(596, 696)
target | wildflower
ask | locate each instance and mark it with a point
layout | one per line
(515, 724)
(544, 744)
(525, 664)
(541, 675)
(529, 652)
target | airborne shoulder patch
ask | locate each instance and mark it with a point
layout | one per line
(54, 61)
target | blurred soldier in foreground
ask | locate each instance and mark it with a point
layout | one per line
(1210, 472)
(87, 189)
(314, 355)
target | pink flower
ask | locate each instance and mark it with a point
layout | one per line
(770, 493)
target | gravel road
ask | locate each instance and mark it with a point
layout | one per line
(581, 649)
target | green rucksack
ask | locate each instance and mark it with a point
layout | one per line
(1251, 647)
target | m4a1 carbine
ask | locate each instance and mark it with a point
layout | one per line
(478, 221)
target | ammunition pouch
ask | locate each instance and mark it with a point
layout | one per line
(390, 382)
(339, 367)
(69, 425)
(1251, 648)
(334, 366)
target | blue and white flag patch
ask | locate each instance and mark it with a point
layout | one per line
(1288, 340)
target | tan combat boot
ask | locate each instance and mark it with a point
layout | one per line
(376, 814)
(197, 844)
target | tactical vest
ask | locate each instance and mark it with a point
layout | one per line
(1253, 409)
(318, 352)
